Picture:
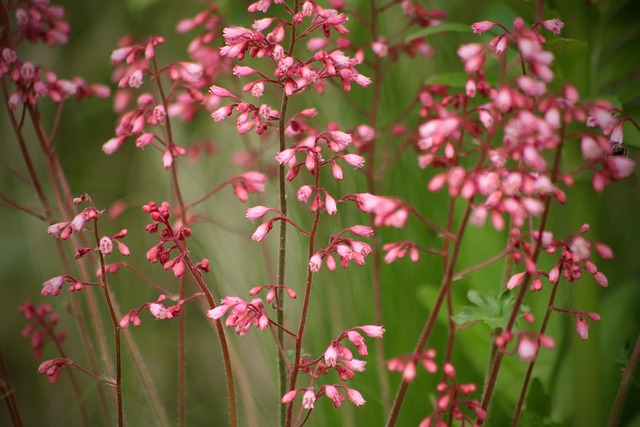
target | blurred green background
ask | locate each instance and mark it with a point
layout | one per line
(579, 378)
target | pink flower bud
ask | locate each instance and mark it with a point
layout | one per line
(220, 92)
(257, 212)
(355, 397)
(515, 280)
(482, 26)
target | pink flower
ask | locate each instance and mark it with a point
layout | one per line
(112, 145)
(582, 327)
(373, 331)
(315, 262)
(257, 212)
(330, 204)
(53, 285)
(106, 245)
(304, 193)
(355, 396)
(515, 280)
(159, 311)
(50, 367)
(333, 394)
(354, 160)
(482, 26)
(527, 349)
(330, 356)
(288, 397)
(308, 399)
(262, 230)
(553, 25)
(285, 155)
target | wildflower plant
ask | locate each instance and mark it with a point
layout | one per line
(343, 282)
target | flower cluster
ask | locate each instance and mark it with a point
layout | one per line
(451, 402)
(407, 364)
(51, 367)
(575, 256)
(528, 343)
(42, 325)
(339, 358)
(243, 314)
(346, 248)
(176, 239)
(157, 309)
(64, 229)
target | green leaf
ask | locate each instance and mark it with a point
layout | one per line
(493, 310)
(571, 61)
(437, 29)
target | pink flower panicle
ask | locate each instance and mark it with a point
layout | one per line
(242, 314)
(168, 236)
(387, 211)
(575, 256)
(157, 309)
(347, 249)
(398, 250)
(528, 343)
(63, 230)
(452, 402)
(248, 182)
(271, 291)
(41, 327)
(407, 364)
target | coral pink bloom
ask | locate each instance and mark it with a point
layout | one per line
(308, 399)
(333, 394)
(355, 397)
(482, 26)
(527, 349)
(373, 331)
(262, 230)
(288, 397)
(257, 212)
(315, 262)
(582, 327)
(553, 25)
(515, 280)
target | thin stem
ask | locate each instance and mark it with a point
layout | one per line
(304, 315)
(282, 241)
(459, 275)
(231, 390)
(91, 374)
(527, 378)
(116, 328)
(182, 363)
(625, 383)
(7, 394)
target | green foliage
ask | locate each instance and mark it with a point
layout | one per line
(493, 310)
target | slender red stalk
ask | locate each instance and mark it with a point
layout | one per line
(303, 317)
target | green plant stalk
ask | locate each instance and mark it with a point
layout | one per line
(625, 384)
